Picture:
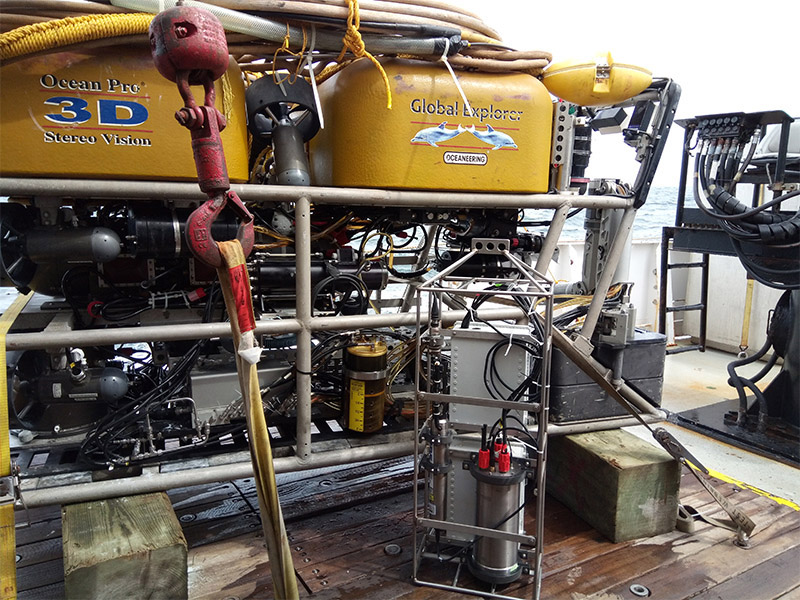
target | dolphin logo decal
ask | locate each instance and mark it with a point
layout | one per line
(440, 133)
(497, 139)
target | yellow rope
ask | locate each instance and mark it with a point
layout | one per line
(227, 97)
(72, 30)
(284, 48)
(353, 42)
(331, 70)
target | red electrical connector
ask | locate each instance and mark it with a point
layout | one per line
(504, 461)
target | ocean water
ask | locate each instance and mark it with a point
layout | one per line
(657, 212)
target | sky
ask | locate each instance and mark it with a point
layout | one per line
(733, 56)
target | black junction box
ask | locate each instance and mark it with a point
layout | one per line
(575, 397)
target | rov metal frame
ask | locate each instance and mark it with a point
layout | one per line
(531, 284)
(59, 333)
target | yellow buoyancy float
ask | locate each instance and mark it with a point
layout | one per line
(600, 82)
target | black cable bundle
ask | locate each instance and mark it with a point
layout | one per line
(152, 387)
(744, 224)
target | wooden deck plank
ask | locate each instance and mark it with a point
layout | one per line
(337, 557)
(47, 592)
(186, 497)
(366, 587)
(632, 562)
(39, 552)
(43, 530)
(340, 489)
(344, 552)
(346, 545)
(243, 572)
(35, 515)
(370, 560)
(793, 594)
(569, 554)
(703, 570)
(206, 513)
(773, 578)
(210, 532)
(251, 576)
(39, 575)
(342, 520)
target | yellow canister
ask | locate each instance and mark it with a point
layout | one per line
(428, 139)
(365, 386)
(107, 114)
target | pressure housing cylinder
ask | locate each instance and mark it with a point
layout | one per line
(496, 560)
(365, 386)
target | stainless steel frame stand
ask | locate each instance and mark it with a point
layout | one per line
(534, 285)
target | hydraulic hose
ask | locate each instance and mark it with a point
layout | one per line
(424, 29)
(740, 382)
(767, 228)
(740, 226)
(275, 31)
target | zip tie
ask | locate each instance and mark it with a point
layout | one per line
(314, 89)
(443, 58)
(510, 340)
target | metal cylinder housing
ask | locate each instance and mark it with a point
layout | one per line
(493, 559)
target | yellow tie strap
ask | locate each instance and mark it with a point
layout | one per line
(236, 291)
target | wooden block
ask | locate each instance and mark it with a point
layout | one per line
(124, 548)
(621, 485)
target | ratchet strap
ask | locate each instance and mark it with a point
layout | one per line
(8, 565)
(739, 521)
(235, 284)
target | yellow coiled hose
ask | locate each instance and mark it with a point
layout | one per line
(49, 35)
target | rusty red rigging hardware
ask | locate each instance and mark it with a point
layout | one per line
(189, 48)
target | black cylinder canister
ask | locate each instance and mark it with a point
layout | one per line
(365, 386)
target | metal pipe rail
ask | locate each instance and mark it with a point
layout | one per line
(195, 331)
(102, 189)
(158, 482)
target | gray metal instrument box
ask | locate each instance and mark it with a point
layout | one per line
(469, 348)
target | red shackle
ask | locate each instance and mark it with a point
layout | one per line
(190, 39)
(189, 48)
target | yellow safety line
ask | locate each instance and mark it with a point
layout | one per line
(747, 486)
(8, 563)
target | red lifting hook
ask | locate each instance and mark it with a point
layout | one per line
(189, 48)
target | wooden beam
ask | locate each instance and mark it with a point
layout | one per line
(622, 486)
(129, 547)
